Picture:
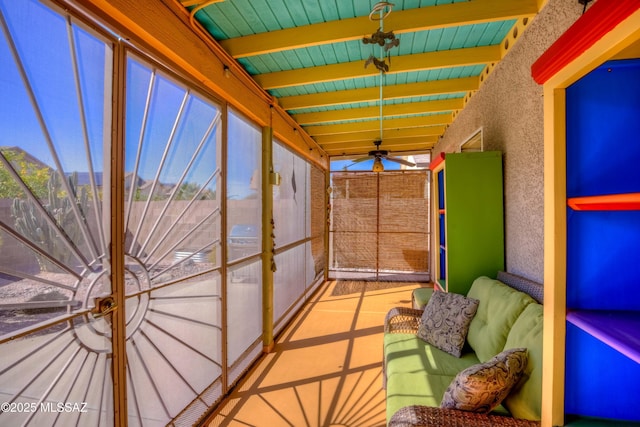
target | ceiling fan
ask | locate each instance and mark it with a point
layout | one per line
(377, 155)
(380, 37)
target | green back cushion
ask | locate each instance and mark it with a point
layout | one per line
(499, 308)
(525, 400)
(421, 297)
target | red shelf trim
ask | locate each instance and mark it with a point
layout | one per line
(613, 202)
(435, 162)
(441, 211)
(601, 18)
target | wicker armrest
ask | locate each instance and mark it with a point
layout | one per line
(402, 320)
(425, 416)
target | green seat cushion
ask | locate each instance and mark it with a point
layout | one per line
(405, 389)
(499, 308)
(525, 400)
(421, 297)
(406, 353)
(420, 388)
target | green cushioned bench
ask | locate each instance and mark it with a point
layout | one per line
(417, 374)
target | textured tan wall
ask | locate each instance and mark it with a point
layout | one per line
(509, 109)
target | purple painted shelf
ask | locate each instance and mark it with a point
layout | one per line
(618, 329)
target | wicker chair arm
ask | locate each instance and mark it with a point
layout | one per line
(424, 416)
(402, 320)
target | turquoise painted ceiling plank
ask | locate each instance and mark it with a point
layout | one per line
(230, 22)
(248, 66)
(459, 37)
(345, 9)
(276, 15)
(503, 29)
(254, 16)
(211, 25)
(236, 18)
(300, 14)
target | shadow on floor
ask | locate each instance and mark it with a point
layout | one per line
(326, 367)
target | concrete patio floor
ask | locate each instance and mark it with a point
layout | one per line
(326, 367)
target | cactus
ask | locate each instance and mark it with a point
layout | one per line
(32, 224)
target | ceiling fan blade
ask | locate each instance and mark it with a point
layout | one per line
(362, 159)
(356, 161)
(401, 161)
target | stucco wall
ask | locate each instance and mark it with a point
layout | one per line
(509, 109)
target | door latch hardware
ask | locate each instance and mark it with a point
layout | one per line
(104, 306)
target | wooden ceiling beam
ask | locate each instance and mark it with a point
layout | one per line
(436, 87)
(405, 122)
(400, 64)
(392, 145)
(373, 112)
(372, 135)
(403, 21)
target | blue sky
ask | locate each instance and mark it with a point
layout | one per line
(44, 51)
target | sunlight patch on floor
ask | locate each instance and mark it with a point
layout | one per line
(326, 367)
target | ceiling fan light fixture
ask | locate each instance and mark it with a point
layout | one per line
(377, 165)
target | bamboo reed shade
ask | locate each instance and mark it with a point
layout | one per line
(380, 221)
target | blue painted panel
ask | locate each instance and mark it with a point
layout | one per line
(603, 131)
(442, 189)
(600, 381)
(603, 260)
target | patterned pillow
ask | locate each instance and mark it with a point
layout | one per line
(482, 387)
(445, 321)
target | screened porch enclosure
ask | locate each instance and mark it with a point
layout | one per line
(125, 293)
(379, 227)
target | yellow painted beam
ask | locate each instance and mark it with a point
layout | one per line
(425, 18)
(329, 140)
(393, 146)
(399, 64)
(436, 87)
(405, 122)
(374, 112)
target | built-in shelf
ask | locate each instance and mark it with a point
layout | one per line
(619, 330)
(612, 202)
(602, 244)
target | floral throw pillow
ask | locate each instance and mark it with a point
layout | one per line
(482, 387)
(445, 321)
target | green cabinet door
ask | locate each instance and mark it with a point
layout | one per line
(469, 218)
